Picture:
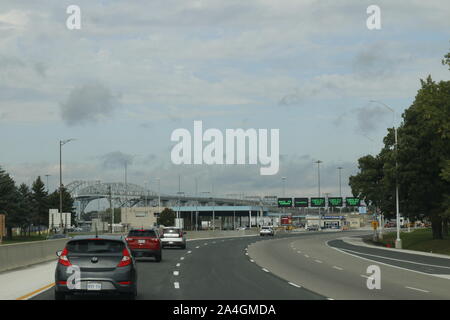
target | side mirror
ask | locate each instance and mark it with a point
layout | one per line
(58, 253)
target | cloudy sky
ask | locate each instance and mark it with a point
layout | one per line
(137, 70)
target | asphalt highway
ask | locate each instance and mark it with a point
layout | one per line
(302, 266)
(209, 270)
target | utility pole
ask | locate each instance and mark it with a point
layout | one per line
(340, 187)
(111, 208)
(61, 143)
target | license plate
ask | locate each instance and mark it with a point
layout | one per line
(141, 241)
(95, 286)
(170, 242)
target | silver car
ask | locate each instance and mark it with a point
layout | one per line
(96, 264)
(173, 237)
(266, 231)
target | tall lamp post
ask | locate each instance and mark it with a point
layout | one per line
(398, 241)
(340, 186)
(61, 143)
(318, 184)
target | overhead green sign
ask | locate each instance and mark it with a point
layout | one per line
(284, 202)
(317, 202)
(301, 202)
(335, 202)
(352, 202)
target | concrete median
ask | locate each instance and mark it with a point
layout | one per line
(20, 255)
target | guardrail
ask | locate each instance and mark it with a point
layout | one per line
(19, 255)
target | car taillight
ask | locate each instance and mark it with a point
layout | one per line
(63, 258)
(126, 259)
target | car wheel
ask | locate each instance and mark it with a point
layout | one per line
(158, 257)
(183, 247)
(60, 295)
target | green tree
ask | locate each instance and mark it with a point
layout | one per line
(166, 217)
(9, 199)
(424, 149)
(25, 208)
(40, 203)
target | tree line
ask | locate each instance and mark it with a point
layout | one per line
(420, 163)
(26, 207)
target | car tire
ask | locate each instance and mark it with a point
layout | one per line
(183, 247)
(158, 257)
(60, 295)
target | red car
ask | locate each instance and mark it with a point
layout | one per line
(145, 243)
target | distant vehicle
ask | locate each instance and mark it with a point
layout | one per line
(57, 236)
(242, 228)
(106, 263)
(173, 237)
(145, 243)
(312, 227)
(266, 231)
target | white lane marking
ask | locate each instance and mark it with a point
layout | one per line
(246, 254)
(251, 260)
(295, 285)
(407, 261)
(178, 264)
(176, 285)
(189, 251)
(318, 261)
(182, 258)
(338, 268)
(306, 256)
(330, 299)
(299, 252)
(421, 290)
(206, 243)
(265, 270)
(383, 263)
(175, 273)
(364, 276)
(197, 247)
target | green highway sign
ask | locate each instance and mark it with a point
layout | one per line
(284, 202)
(335, 202)
(317, 202)
(352, 202)
(301, 202)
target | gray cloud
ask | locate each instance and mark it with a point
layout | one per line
(116, 160)
(88, 104)
(369, 118)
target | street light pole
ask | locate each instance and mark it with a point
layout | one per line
(61, 143)
(398, 241)
(318, 183)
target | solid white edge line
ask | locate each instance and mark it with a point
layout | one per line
(385, 264)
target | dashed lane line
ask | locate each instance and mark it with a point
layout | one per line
(295, 285)
(338, 268)
(176, 273)
(176, 285)
(416, 289)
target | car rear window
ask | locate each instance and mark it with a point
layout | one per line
(171, 230)
(142, 233)
(95, 246)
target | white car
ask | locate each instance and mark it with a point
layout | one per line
(266, 231)
(173, 237)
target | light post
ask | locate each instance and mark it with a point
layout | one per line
(340, 187)
(61, 143)
(398, 241)
(159, 193)
(318, 183)
(47, 175)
